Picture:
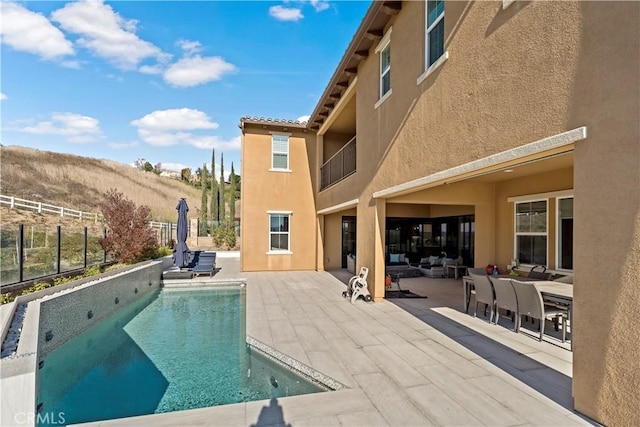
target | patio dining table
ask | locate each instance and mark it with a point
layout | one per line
(551, 291)
(556, 292)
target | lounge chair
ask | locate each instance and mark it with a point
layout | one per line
(206, 264)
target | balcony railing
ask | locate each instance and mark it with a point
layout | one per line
(339, 166)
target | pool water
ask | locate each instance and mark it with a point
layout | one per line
(169, 351)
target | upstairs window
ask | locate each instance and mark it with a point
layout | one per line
(531, 232)
(384, 51)
(385, 70)
(280, 152)
(435, 31)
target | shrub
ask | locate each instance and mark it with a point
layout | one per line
(130, 238)
(230, 237)
(219, 236)
(7, 298)
(163, 251)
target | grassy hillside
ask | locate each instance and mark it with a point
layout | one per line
(80, 183)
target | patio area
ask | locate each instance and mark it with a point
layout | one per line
(408, 361)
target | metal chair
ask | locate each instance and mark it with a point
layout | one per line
(505, 298)
(530, 304)
(484, 294)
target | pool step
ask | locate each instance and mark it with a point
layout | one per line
(10, 343)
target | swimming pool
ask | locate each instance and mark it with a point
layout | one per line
(170, 350)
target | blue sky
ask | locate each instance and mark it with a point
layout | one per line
(166, 81)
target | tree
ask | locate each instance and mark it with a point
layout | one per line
(129, 237)
(185, 174)
(232, 198)
(147, 167)
(236, 181)
(215, 203)
(221, 211)
(203, 201)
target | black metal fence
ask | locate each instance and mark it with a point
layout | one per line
(32, 252)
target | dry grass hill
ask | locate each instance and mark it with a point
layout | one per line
(80, 183)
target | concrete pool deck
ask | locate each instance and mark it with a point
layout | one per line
(413, 361)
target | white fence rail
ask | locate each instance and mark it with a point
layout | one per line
(17, 203)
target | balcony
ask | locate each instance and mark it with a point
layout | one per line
(339, 166)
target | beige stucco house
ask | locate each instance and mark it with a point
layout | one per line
(494, 131)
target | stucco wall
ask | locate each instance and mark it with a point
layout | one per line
(606, 96)
(264, 190)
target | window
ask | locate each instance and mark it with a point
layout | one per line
(384, 50)
(435, 31)
(531, 232)
(280, 151)
(564, 234)
(385, 70)
(279, 231)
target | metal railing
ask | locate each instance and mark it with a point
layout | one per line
(339, 166)
(33, 252)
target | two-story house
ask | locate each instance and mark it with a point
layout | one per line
(494, 131)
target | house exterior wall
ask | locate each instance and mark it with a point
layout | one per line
(276, 191)
(515, 76)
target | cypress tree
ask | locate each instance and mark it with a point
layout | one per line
(214, 202)
(222, 212)
(232, 197)
(203, 203)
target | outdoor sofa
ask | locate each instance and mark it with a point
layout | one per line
(398, 265)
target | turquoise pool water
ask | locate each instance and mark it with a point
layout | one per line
(169, 351)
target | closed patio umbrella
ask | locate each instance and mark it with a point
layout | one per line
(180, 253)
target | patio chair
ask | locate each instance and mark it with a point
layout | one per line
(206, 264)
(506, 299)
(484, 294)
(530, 304)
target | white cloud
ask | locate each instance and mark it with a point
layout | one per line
(2, 96)
(319, 5)
(196, 70)
(175, 119)
(151, 69)
(31, 32)
(74, 127)
(165, 128)
(282, 13)
(303, 118)
(107, 34)
(189, 47)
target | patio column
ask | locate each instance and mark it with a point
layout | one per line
(485, 235)
(376, 286)
(320, 243)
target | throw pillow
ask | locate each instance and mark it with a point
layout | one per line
(432, 259)
(394, 258)
(401, 258)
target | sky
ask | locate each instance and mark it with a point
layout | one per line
(164, 81)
